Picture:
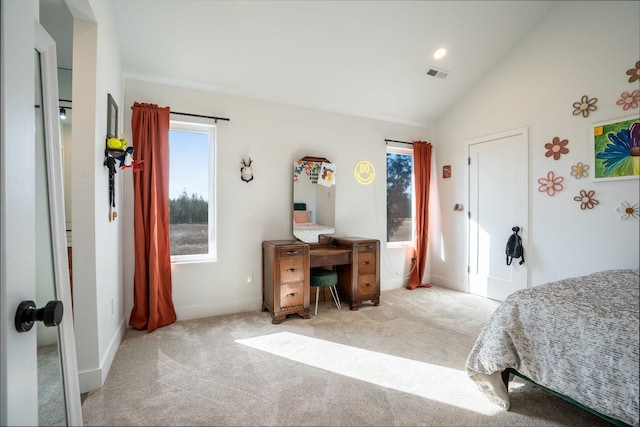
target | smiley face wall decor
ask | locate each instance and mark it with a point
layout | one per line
(364, 172)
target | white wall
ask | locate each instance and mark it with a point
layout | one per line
(109, 264)
(97, 256)
(274, 136)
(580, 48)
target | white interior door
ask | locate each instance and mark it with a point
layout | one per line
(18, 392)
(32, 239)
(498, 201)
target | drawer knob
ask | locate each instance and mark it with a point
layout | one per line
(366, 285)
(292, 252)
(292, 294)
(366, 262)
(291, 269)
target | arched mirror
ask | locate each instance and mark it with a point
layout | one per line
(313, 198)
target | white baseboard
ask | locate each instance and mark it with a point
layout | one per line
(94, 379)
(388, 284)
(90, 380)
(110, 354)
(448, 283)
(209, 310)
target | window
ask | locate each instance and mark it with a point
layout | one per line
(192, 149)
(400, 205)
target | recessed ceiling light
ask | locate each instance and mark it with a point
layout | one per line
(440, 53)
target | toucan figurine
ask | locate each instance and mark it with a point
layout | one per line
(126, 158)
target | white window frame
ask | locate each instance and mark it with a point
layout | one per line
(409, 152)
(210, 130)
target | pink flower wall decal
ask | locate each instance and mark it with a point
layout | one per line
(551, 184)
(629, 100)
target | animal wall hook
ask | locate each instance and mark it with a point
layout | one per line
(246, 172)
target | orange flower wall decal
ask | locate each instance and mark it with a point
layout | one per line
(629, 100)
(586, 199)
(634, 73)
(556, 148)
(584, 106)
(551, 184)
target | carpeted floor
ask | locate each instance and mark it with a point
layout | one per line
(51, 404)
(401, 363)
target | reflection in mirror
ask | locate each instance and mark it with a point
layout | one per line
(313, 198)
(65, 77)
(51, 397)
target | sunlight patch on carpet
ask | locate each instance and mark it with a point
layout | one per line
(439, 383)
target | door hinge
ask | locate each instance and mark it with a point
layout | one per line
(468, 269)
(469, 160)
(469, 214)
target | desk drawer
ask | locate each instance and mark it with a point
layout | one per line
(367, 263)
(367, 284)
(290, 252)
(291, 294)
(367, 247)
(291, 269)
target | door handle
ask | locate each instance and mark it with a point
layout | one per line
(27, 314)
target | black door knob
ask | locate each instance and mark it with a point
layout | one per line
(27, 314)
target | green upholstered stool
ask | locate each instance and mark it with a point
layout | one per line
(321, 277)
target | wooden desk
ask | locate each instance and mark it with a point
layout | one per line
(329, 256)
(286, 274)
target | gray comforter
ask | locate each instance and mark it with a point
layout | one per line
(577, 337)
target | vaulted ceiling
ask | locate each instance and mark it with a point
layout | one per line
(363, 58)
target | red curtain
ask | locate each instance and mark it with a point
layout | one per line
(422, 176)
(152, 299)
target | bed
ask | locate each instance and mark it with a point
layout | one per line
(577, 338)
(306, 230)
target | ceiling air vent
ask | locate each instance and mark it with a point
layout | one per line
(437, 72)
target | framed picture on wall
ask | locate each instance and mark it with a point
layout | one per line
(446, 171)
(616, 149)
(112, 117)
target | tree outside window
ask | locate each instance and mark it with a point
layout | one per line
(399, 195)
(191, 192)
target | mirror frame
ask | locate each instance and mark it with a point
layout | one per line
(46, 46)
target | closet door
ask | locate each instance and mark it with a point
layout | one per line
(498, 201)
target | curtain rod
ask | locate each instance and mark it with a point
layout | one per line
(199, 115)
(401, 142)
